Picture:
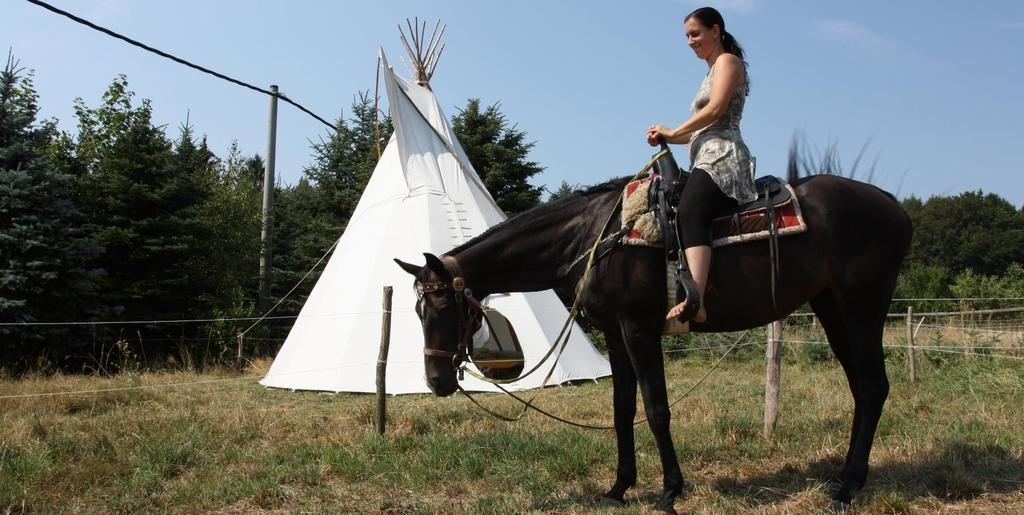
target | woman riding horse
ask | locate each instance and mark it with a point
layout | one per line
(844, 265)
(720, 162)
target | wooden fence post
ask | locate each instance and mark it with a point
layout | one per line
(382, 360)
(238, 354)
(911, 352)
(771, 383)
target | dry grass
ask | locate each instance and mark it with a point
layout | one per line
(952, 443)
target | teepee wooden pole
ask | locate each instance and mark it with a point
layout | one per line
(423, 51)
(432, 44)
(382, 361)
(376, 110)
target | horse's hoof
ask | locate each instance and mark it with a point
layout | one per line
(837, 506)
(661, 510)
(611, 502)
(841, 494)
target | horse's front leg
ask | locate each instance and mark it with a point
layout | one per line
(648, 364)
(624, 402)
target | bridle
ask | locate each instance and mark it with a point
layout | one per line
(470, 312)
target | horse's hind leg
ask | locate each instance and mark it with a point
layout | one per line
(854, 329)
(872, 389)
(831, 318)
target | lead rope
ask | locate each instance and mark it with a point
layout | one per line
(564, 334)
(528, 404)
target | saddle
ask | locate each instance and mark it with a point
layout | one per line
(774, 213)
(649, 209)
(771, 191)
(649, 220)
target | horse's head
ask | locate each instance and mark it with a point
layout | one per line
(450, 316)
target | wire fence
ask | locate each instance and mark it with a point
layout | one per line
(960, 349)
(978, 329)
(791, 318)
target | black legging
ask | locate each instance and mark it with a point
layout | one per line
(700, 200)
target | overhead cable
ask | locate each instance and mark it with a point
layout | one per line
(142, 322)
(179, 60)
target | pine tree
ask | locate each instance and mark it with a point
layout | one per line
(344, 162)
(143, 196)
(498, 152)
(192, 181)
(302, 235)
(253, 168)
(564, 190)
(232, 213)
(44, 274)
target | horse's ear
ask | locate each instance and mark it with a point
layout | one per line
(434, 264)
(409, 267)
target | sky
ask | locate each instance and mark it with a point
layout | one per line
(929, 89)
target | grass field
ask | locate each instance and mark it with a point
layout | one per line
(953, 442)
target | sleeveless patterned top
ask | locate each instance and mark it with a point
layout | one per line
(718, 149)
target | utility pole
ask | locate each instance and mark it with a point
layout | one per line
(266, 235)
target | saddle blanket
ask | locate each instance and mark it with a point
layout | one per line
(741, 226)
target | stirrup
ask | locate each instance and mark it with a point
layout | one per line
(687, 290)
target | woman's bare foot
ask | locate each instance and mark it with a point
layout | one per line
(700, 317)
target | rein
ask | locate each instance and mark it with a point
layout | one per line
(463, 352)
(528, 404)
(562, 340)
(462, 356)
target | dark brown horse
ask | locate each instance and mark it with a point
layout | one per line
(845, 265)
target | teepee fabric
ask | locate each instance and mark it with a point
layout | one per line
(423, 196)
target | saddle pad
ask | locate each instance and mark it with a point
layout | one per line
(646, 230)
(739, 227)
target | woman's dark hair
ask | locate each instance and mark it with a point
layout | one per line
(709, 17)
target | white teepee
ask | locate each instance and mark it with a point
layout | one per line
(423, 196)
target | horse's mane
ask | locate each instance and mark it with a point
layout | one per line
(528, 217)
(809, 161)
